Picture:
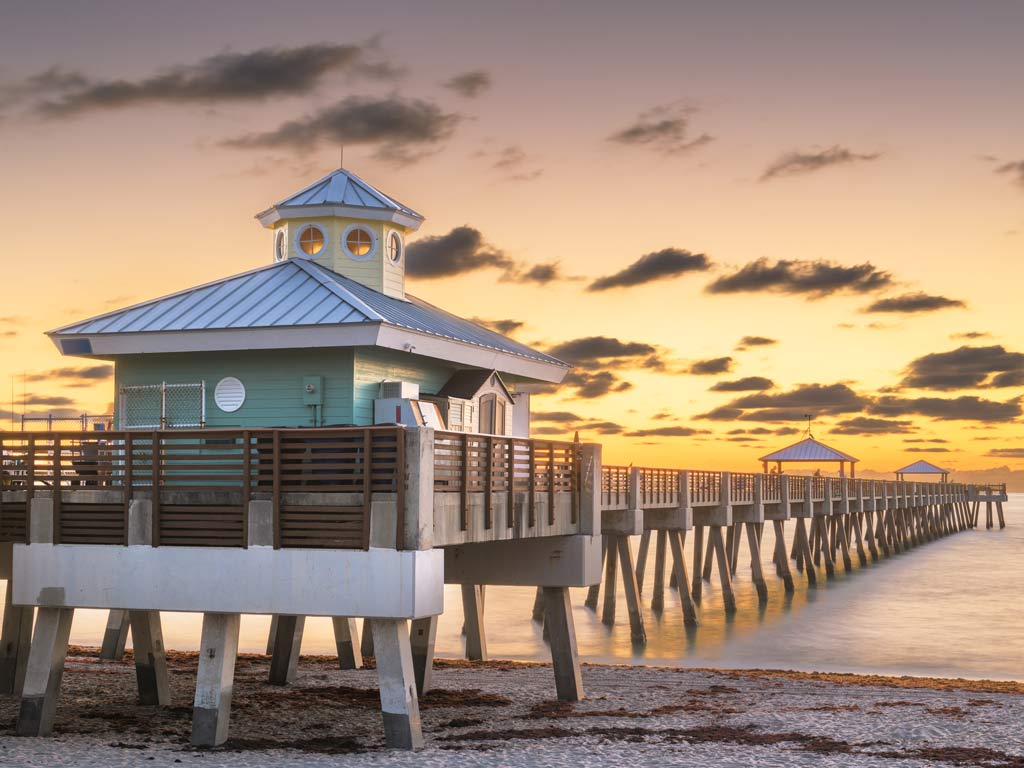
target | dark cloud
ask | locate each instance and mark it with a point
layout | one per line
(601, 427)
(965, 367)
(813, 278)
(470, 84)
(561, 417)
(226, 77)
(755, 341)
(600, 348)
(1007, 453)
(669, 262)
(667, 432)
(12, 320)
(592, 385)
(754, 431)
(967, 408)
(817, 399)
(865, 425)
(914, 303)
(464, 250)
(713, 366)
(799, 163)
(403, 130)
(505, 327)
(513, 162)
(661, 416)
(74, 377)
(48, 400)
(1015, 169)
(665, 130)
(971, 335)
(746, 384)
(929, 450)
(925, 440)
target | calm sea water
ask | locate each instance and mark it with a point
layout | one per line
(951, 608)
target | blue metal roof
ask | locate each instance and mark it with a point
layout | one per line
(345, 188)
(922, 468)
(294, 292)
(808, 449)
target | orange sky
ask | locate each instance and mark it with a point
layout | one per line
(895, 134)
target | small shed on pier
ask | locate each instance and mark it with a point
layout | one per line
(810, 451)
(922, 467)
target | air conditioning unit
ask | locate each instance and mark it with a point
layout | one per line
(402, 390)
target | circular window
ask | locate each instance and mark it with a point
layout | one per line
(359, 242)
(394, 248)
(280, 247)
(311, 239)
(229, 394)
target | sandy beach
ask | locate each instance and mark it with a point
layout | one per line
(504, 713)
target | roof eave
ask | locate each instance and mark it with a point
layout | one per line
(271, 216)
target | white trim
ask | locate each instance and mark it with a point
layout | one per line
(270, 217)
(374, 242)
(281, 236)
(294, 337)
(298, 233)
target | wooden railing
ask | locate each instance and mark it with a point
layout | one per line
(467, 464)
(200, 483)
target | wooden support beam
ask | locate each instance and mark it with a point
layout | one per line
(637, 632)
(678, 541)
(564, 654)
(346, 640)
(658, 595)
(422, 637)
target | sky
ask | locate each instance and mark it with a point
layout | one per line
(727, 215)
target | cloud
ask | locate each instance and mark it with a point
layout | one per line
(74, 377)
(668, 262)
(464, 250)
(914, 303)
(12, 320)
(925, 440)
(755, 341)
(667, 432)
(470, 84)
(1007, 453)
(504, 327)
(665, 130)
(1015, 169)
(600, 348)
(560, 417)
(746, 384)
(513, 162)
(403, 130)
(712, 366)
(929, 450)
(971, 335)
(593, 385)
(225, 77)
(965, 367)
(966, 408)
(48, 400)
(818, 399)
(865, 425)
(813, 278)
(799, 163)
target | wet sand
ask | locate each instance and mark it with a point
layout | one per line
(504, 713)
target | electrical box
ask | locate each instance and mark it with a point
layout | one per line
(312, 390)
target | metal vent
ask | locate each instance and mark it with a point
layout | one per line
(229, 394)
(403, 390)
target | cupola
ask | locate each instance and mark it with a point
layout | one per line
(347, 226)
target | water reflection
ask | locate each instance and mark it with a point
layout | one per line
(936, 610)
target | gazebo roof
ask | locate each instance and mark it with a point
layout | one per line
(808, 449)
(922, 467)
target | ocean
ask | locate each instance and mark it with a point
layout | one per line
(950, 608)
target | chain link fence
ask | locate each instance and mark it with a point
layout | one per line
(52, 423)
(162, 406)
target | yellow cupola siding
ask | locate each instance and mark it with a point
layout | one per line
(348, 226)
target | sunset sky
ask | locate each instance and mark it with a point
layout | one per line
(725, 214)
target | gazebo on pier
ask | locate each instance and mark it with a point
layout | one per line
(922, 467)
(809, 451)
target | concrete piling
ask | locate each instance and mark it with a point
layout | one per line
(397, 681)
(476, 635)
(150, 658)
(346, 639)
(115, 636)
(638, 634)
(15, 642)
(45, 671)
(284, 662)
(564, 654)
(218, 651)
(423, 636)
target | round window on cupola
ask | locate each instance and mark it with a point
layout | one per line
(359, 242)
(394, 247)
(310, 240)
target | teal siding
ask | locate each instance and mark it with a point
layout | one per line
(272, 379)
(372, 366)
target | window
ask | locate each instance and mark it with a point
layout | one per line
(311, 240)
(394, 248)
(280, 249)
(358, 242)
